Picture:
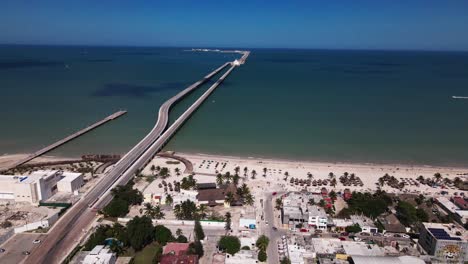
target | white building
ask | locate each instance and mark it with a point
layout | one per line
(447, 205)
(100, 255)
(70, 182)
(317, 217)
(38, 186)
(242, 257)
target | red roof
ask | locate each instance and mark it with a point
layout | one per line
(460, 202)
(183, 259)
(176, 248)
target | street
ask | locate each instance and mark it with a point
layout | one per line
(18, 244)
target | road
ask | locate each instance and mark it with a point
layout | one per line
(66, 232)
(18, 244)
(272, 250)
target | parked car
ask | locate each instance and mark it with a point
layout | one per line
(342, 238)
(36, 241)
(26, 253)
(344, 234)
(405, 236)
(2, 250)
(274, 193)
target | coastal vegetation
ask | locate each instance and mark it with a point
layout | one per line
(123, 197)
(229, 244)
(371, 205)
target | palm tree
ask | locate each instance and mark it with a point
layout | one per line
(202, 210)
(152, 169)
(254, 173)
(235, 179)
(245, 171)
(177, 171)
(158, 214)
(381, 181)
(311, 201)
(229, 198)
(457, 181)
(237, 169)
(332, 195)
(331, 175)
(437, 176)
(179, 232)
(219, 179)
(286, 174)
(264, 172)
(227, 176)
(248, 199)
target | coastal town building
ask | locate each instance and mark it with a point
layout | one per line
(392, 224)
(100, 255)
(39, 185)
(177, 253)
(445, 242)
(242, 257)
(317, 217)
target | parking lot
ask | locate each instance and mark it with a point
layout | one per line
(17, 245)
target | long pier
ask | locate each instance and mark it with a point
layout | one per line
(62, 236)
(65, 140)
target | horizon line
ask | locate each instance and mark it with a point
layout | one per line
(233, 47)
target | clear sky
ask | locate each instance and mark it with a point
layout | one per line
(332, 24)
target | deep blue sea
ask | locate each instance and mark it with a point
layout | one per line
(322, 105)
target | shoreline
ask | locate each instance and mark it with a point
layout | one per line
(319, 162)
(7, 158)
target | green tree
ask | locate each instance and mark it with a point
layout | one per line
(177, 171)
(228, 221)
(279, 203)
(229, 244)
(196, 248)
(182, 239)
(187, 210)
(116, 208)
(406, 213)
(153, 212)
(285, 260)
(162, 234)
(229, 198)
(219, 179)
(262, 256)
(169, 200)
(249, 199)
(164, 172)
(353, 228)
(264, 172)
(198, 231)
(140, 232)
(332, 195)
(237, 170)
(262, 243)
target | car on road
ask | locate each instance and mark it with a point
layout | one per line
(26, 253)
(274, 228)
(266, 222)
(36, 241)
(274, 193)
(357, 239)
(2, 250)
(342, 238)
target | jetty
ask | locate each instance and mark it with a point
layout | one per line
(65, 140)
(62, 237)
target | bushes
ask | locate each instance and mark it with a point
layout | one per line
(409, 215)
(116, 208)
(353, 228)
(124, 196)
(368, 204)
(262, 256)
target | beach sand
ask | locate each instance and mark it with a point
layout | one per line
(368, 173)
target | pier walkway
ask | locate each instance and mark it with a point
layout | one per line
(63, 235)
(65, 140)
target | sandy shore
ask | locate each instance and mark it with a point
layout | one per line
(6, 160)
(368, 173)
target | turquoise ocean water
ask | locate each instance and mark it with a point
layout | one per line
(359, 106)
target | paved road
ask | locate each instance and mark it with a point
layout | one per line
(272, 250)
(16, 245)
(66, 232)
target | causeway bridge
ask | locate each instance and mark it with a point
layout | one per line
(63, 236)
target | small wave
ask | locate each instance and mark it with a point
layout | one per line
(459, 97)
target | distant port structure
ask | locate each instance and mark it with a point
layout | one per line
(62, 237)
(65, 140)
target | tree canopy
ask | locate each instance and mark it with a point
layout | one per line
(162, 234)
(229, 244)
(116, 208)
(262, 242)
(371, 205)
(140, 232)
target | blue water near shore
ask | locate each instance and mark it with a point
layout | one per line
(358, 106)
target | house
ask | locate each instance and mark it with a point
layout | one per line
(317, 218)
(100, 255)
(392, 224)
(461, 202)
(177, 253)
(213, 197)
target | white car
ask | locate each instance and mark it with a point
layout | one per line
(405, 236)
(36, 241)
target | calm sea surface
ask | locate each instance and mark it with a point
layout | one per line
(363, 106)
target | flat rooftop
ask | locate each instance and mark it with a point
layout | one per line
(446, 231)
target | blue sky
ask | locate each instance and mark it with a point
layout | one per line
(331, 24)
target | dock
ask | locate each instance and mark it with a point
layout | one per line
(65, 140)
